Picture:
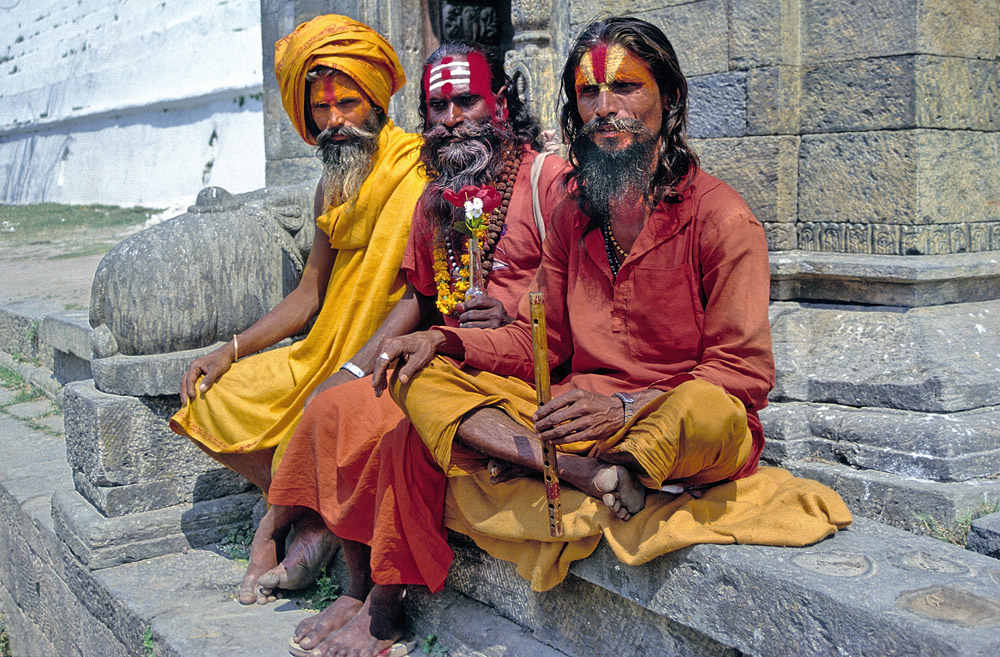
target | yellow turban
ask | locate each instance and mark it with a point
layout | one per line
(340, 43)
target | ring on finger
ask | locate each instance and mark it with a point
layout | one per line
(383, 356)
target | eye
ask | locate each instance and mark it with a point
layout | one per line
(436, 105)
(587, 90)
(466, 101)
(625, 87)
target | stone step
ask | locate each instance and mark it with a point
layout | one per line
(897, 500)
(870, 590)
(984, 535)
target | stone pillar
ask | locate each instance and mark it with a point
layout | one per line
(532, 63)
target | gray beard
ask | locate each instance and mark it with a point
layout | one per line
(476, 158)
(346, 164)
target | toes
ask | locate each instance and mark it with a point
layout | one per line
(304, 628)
(248, 590)
(272, 578)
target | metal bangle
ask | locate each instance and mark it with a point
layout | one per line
(353, 369)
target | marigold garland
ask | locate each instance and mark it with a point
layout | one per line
(478, 203)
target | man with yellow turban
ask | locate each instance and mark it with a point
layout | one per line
(336, 77)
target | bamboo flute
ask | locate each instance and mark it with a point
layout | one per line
(540, 346)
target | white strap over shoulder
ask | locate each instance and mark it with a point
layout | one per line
(550, 146)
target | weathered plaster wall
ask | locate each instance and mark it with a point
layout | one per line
(129, 101)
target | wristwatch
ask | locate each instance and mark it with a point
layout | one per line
(628, 404)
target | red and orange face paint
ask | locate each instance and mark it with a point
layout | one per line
(604, 65)
(331, 89)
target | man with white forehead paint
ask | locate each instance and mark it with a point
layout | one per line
(341, 464)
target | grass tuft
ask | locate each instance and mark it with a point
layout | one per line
(320, 595)
(433, 648)
(957, 534)
(236, 544)
(4, 640)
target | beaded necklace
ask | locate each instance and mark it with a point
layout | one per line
(451, 273)
(616, 254)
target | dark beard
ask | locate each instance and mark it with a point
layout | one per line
(347, 163)
(475, 158)
(607, 175)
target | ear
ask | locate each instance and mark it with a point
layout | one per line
(501, 103)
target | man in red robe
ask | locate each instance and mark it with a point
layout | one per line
(656, 285)
(478, 133)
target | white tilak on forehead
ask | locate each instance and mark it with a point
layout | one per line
(453, 72)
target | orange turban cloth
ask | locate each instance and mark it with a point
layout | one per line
(340, 43)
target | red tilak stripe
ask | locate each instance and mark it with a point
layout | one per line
(598, 59)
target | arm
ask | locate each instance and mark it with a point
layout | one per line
(402, 319)
(284, 320)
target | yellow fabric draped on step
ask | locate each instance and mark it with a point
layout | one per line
(258, 402)
(510, 521)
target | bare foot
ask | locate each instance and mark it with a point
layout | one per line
(355, 636)
(316, 629)
(311, 549)
(501, 471)
(621, 492)
(264, 555)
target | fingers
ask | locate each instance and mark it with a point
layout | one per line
(188, 390)
(379, 374)
(481, 312)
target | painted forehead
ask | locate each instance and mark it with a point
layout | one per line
(335, 87)
(605, 64)
(460, 74)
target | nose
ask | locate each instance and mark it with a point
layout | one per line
(607, 104)
(453, 115)
(334, 120)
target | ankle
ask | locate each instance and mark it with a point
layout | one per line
(388, 619)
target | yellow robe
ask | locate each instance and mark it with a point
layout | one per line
(258, 402)
(673, 436)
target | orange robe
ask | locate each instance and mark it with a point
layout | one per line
(257, 404)
(332, 463)
(686, 315)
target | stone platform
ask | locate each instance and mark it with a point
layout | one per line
(872, 589)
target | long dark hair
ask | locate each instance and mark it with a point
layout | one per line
(675, 158)
(524, 125)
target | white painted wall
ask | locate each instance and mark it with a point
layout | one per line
(129, 101)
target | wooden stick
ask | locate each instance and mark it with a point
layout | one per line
(540, 345)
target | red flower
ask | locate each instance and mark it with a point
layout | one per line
(489, 195)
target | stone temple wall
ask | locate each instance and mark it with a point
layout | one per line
(129, 102)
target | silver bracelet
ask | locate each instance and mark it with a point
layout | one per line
(353, 369)
(628, 405)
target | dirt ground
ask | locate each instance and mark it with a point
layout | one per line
(42, 270)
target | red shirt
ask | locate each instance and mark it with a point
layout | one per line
(518, 251)
(690, 301)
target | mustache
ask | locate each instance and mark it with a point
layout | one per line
(462, 131)
(618, 123)
(325, 139)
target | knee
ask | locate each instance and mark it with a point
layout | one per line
(437, 371)
(712, 409)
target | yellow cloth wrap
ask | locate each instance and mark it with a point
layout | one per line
(258, 402)
(509, 520)
(340, 43)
